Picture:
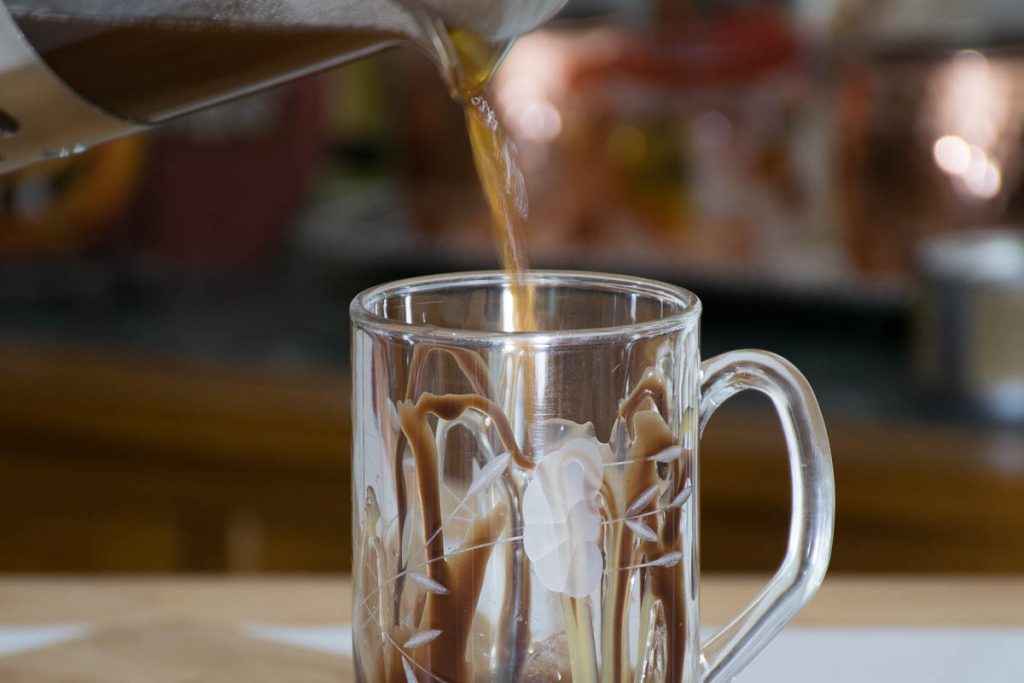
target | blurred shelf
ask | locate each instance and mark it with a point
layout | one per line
(140, 463)
(369, 226)
(293, 317)
(126, 462)
(910, 496)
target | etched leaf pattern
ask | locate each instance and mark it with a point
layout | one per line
(642, 530)
(667, 560)
(422, 638)
(410, 675)
(489, 474)
(670, 454)
(683, 496)
(427, 583)
(643, 500)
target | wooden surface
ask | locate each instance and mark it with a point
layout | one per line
(112, 462)
(842, 601)
(119, 463)
(910, 497)
(167, 631)
(172, 651)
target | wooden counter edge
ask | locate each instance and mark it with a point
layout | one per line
(845, 600)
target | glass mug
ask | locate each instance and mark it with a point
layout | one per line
(525, 503)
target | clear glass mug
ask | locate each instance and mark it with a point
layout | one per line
(525, 503)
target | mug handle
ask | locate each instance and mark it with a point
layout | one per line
(813, 517)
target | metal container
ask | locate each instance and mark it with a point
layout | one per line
(969, 326)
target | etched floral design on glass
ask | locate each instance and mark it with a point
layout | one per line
(524, 504)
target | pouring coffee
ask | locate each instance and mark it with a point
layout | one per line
(74, 72)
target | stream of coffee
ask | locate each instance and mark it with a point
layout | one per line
(497, 165)
(454, 581)
(594, 643)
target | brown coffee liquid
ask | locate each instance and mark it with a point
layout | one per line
(497, 166)
(151, 71)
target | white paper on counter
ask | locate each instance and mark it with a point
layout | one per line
(832, 655)
(844, 655)
(335, 640)
(13, 640)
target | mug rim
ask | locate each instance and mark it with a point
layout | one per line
(687, 303)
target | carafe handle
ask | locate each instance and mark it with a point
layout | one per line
(813, 516)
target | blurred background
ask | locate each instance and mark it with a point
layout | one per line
(839, 180)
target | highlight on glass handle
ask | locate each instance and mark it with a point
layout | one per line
(813, 517)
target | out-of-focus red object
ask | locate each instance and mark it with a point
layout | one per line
(728, 49)
(223, 186)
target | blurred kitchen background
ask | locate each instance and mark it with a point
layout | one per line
(841, 181)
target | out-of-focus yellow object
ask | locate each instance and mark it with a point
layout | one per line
(67, 204)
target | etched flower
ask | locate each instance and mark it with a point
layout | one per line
(561, 524)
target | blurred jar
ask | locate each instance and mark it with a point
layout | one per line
(931, 122)
(969, 321)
